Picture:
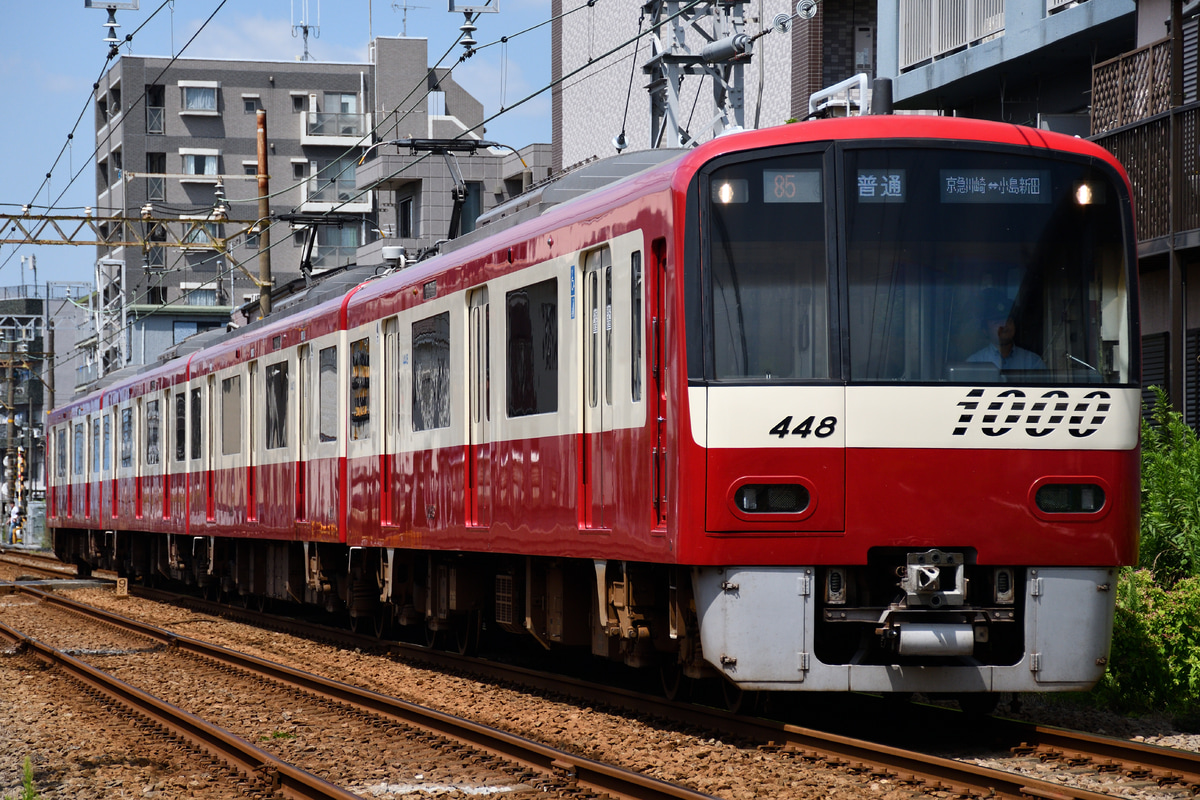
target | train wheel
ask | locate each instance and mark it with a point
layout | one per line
(358, 624)
(466, 634)
(383, 622)
(431, 636)
(260, 603)
(736, 698)
(670, 673)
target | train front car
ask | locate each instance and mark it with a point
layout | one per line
(912, 362)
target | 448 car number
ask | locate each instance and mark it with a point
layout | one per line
(809, 425)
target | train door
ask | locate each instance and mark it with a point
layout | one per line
(390, 414)
(252, 396)
(303, 429)
(479, 457)
(599, 458)
(208, 433)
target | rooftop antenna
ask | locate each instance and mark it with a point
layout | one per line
(403, 8)
(470, 11)
(304, 26)
(112, 6)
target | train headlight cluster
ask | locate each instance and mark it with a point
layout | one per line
(1070, 498)
(771, 498)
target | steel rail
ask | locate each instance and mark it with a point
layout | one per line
(834, 748)
(563, 766)
(287, 779)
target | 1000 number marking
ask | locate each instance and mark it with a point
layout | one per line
(821, 430)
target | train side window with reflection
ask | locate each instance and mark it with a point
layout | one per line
(532, 349)
(277, 405)
(95, 446)
(360, 389)
(108, 419)
(152, 432)
(180, 426)
(328, 394)
(231, 415)
(77, 461)
(126, 437)
(197, 421)
(60, 453)
(431, 372)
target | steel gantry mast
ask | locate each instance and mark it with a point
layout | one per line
(725, 51)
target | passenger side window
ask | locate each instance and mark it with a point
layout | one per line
(231, 415)
(532, 349)
(328, 394)
(360, 389)
(431, 372)
(277, 405)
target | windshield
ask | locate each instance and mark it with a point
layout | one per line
(983, 267)
(957, 265)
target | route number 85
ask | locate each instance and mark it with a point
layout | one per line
(822, 430)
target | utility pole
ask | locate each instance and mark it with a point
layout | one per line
(264, 211)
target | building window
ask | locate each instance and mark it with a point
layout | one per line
(199, 99)
(251, 104)
(200, 164)
(156, 295)
(299, 170)
(431, 373)
(202, 297)
(532, 349)
(200, 234)
(249, 169)
(116, 165)
(404, 219)
(155, 109)
(299, 103)
(156, 182)
(115, 105)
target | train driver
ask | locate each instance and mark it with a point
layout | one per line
(1001, 349)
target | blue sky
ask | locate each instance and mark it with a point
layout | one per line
(55, 53)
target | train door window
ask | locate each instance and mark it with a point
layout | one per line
(107, 442)
(152, 432)
(276, 405)
(126, 437)
(390, 369)
(180, 426)
(77, 460)
(360, 389)
(197, 422)
(431, 372)
(231, 415)
(95, 446)
(328, 395)
(481, 354)
(532, 349)
(60, 453)
(636, 326)
(303, 409)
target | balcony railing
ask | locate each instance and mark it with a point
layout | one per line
(930, 29)
(1131, 87)
(329, 256)
(1145, 152)
(322, 123)
(156, 118)
(325, 191)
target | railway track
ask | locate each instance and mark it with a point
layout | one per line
(378, 721)
(1117, 762)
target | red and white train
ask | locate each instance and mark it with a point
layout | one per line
(841, 405)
